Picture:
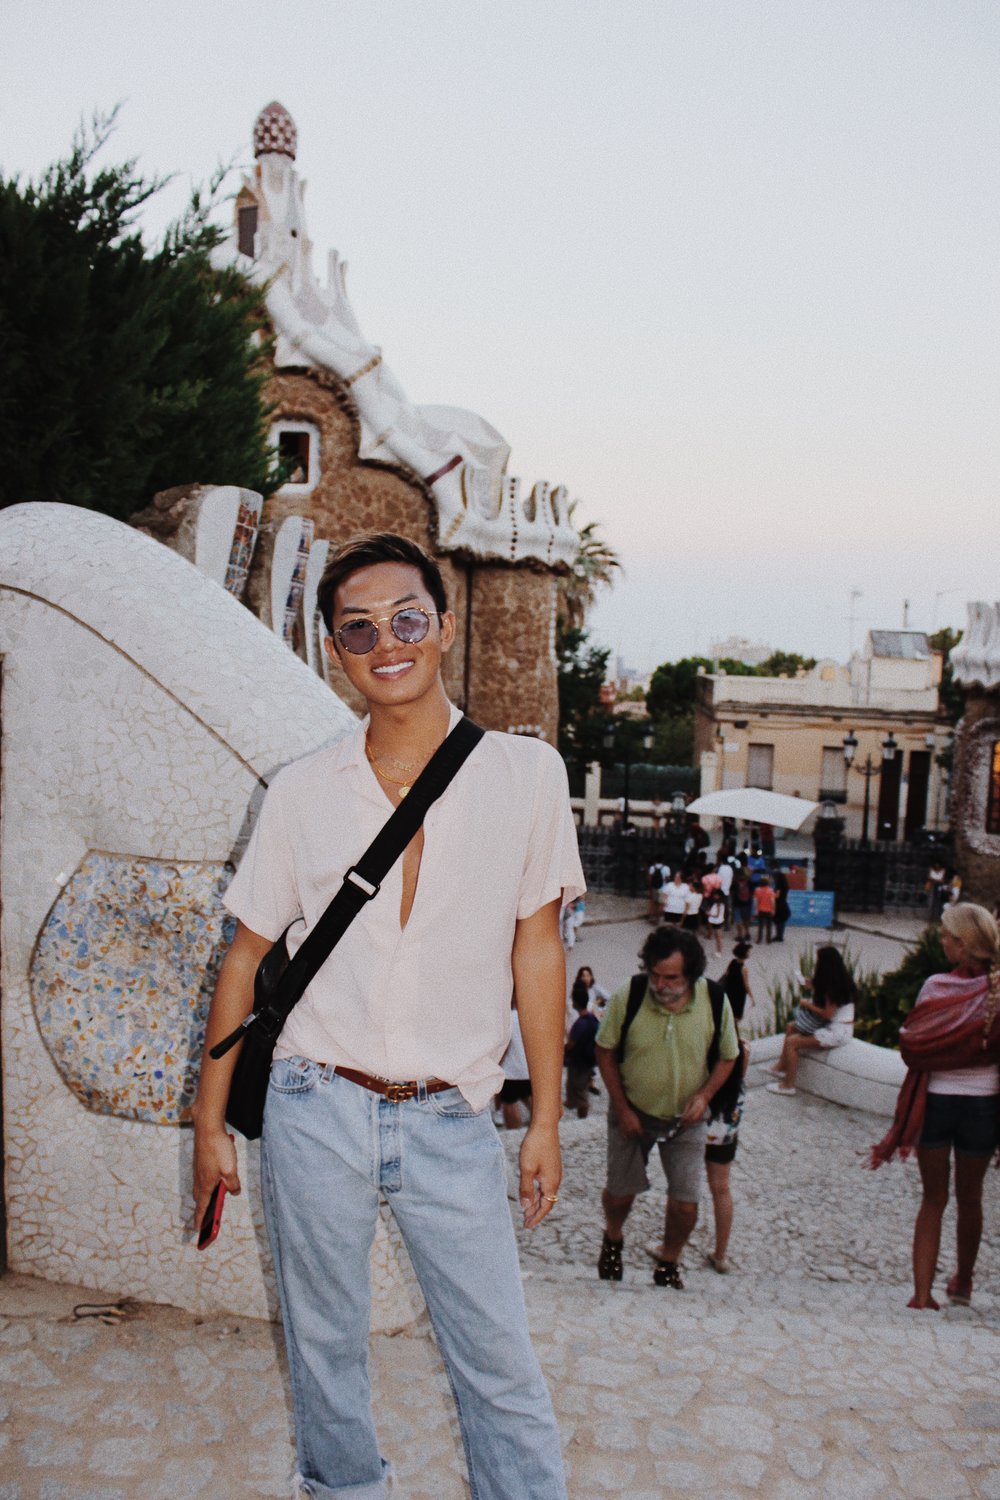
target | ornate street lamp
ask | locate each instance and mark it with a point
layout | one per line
(870, 768)
(609, 744)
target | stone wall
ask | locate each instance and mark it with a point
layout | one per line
(977, 853)
(502, 668)
(512, 668)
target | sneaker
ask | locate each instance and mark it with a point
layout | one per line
(774, 1070)
(779, 1088)
(719, 1263)
(609, 1263)
(668, 1274)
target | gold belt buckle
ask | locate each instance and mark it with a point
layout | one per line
(398, 1093)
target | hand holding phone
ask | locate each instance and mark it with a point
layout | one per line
(212, 1217)
(211, 1220)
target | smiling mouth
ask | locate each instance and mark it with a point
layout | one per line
(392, 670)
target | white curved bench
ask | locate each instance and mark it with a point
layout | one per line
(858, 1074)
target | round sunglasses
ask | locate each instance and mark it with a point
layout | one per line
(408, 625)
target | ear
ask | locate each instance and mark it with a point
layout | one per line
(332, 648)
(447, 630)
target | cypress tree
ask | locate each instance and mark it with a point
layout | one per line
(123, 370)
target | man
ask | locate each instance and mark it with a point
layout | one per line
(659, 1089)
(385, 1069)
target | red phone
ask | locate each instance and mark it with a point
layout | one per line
(212, 1217)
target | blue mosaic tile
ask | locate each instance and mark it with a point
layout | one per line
(121, 980)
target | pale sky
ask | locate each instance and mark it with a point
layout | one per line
(725, 268)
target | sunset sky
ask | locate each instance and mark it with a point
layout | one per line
(726, 269)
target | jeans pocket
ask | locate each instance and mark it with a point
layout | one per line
(453, 1104)
(294, 1075)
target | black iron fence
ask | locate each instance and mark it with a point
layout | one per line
(876, 876)
(617, 861)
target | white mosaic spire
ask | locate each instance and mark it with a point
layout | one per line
(976, 658)
(460, 456)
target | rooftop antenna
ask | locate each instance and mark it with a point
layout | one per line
(906, 614)
(852, 617)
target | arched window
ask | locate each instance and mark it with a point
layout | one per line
(298, 446)
(246, 222)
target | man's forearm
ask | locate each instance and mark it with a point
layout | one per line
(539, 968)
(231, 1004)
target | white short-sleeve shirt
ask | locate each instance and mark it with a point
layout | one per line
(431, 999)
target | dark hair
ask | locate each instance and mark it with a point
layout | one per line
(664, 942)
(831, 978)
(586, 969)
(742, 950)
(580, 996)
(377, 547)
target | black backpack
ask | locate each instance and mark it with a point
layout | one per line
(724, 1100)
(656, 877)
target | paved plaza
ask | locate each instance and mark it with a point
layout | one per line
(800, 1374)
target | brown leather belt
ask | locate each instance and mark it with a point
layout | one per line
(396, 1093)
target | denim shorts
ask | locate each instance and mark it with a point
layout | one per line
(966, 1121)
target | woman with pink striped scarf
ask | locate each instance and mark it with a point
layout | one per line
(951, 1095)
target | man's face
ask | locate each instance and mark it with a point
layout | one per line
(392, 673)
(668, 982)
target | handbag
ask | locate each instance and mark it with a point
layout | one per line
(280, 981)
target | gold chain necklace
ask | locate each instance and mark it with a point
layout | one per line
(404, 786)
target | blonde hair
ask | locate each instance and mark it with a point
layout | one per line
(975, 928)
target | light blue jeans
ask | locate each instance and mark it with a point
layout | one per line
(330, 1148)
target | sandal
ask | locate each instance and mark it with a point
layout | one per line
(668, 1274)
(959, 1291)
(929, 1306)
(719, 1263)
(609, 1264)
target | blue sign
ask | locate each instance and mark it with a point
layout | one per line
(810, 908)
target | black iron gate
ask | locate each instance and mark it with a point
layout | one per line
(617, 861)
(876, 876)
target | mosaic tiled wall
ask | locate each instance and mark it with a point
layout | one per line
(144, 710)
(122, 978)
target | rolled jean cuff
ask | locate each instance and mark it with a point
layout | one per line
(312, 1489)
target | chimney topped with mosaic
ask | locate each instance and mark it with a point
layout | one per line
(274, 132)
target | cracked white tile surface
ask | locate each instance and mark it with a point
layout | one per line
(143, 709)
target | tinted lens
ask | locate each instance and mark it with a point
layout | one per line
(409, 625)
(358, 636)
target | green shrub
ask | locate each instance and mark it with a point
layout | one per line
(883, 1006)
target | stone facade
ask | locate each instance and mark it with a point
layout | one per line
(977, 851)
(365, 457)
(787, 733)
(975, 663)
(502, 667)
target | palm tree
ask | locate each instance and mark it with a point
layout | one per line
(594, 567)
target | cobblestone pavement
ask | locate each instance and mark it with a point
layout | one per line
(800, 1375)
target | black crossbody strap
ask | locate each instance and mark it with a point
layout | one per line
(362, 881)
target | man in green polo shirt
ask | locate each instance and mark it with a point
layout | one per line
(658, 1092)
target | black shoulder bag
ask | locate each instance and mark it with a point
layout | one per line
(281, 981)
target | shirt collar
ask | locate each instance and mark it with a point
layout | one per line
(350, 751)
